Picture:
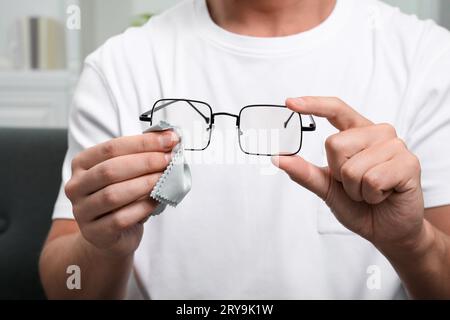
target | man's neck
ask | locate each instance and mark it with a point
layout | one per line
(269, 18)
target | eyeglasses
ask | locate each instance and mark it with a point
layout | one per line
(263, 130)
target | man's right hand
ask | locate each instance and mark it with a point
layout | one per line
(110, 187)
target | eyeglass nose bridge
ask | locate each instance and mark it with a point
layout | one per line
(226, 114)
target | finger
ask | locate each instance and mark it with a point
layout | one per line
(397, 175)
(114, 196)
(149, 142)
(130, 215)
(342, 146)
(353, 170)
(320, 182)
(108, 228)
(120, 169)
(304, 173)
(338, 113)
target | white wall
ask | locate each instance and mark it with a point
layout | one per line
(113, 16)
(102, 19)
(155, 6)
(425, 9)
(105, 18)
(445, 13)
(11, 10)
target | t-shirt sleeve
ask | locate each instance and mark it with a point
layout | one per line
(93, 119)
(428, 132)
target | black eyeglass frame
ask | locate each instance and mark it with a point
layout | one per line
(148, 116)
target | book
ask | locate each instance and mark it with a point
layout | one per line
(41, 44)
(43, 35)
(22, 51)
(51, 45)
(34, 42)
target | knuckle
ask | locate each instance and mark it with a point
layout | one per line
(150, 141)
(338, 105)
(415, 163)
(72, 187)
(388, 128)
(110, 196)
(76, 163)
(106, 173)
(68, 189)
(332, 143)
(338, 101)
(162, 160)
(399, 143)
(108, 149)
(150, 182)
(156, 162)
(372, 181)
(144, 141)
(146, 207)
(150, 162)
(119, 222)
(349, 173)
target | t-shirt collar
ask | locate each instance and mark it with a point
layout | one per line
(272, 46)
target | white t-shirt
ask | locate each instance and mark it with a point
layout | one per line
(245, 231)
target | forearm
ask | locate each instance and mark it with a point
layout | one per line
(424, 267)
(101, 276)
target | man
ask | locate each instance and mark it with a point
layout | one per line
(369, 215)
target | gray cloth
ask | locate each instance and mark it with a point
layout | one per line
(176, 181)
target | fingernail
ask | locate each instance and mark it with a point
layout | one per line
(168, 157)
(299, 102)
(168, 139)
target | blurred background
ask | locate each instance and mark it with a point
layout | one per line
(42, 47)
(40, 58)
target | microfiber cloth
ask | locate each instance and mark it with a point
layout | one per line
(176, 181)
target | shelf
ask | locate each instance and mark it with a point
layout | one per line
(35, 98)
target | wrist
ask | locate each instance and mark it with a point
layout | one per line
(422, 264)
(415, 246)
(98, 255)
(423, 253)
(105, 276)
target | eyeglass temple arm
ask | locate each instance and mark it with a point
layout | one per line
(147, 116)
(312, 125)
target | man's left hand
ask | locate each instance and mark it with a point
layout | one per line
(372, 182)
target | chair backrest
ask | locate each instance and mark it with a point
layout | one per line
(30, 176)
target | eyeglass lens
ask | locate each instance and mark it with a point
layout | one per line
(263, 129)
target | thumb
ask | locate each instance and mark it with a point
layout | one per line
(306, 174)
